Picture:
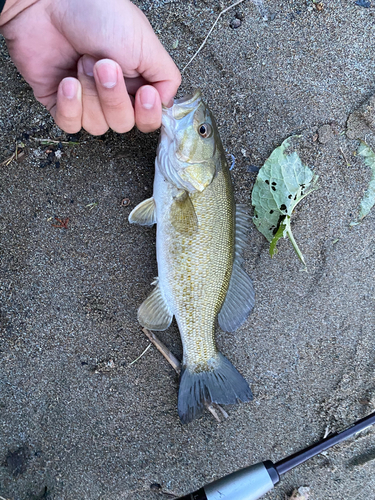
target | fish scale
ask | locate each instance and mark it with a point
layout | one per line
(199, 268)
(200, 236)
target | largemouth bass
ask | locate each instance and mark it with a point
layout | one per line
(200, 236)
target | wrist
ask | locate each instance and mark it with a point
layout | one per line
(12, 8)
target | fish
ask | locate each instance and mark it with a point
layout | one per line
(200, 236)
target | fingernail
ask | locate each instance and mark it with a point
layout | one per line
(147, 97)
(107, 73)
(88, 64)
(170, 103)
(69, 87)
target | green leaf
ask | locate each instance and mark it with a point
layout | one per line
(368, 201)
(282, 183)
(279, 234)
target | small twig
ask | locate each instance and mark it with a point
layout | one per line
(139, 357)
(15, 156)
(343, 154)
(47, 142)
(171, 358)
(6, 163)
(214, 408)
(92, 205)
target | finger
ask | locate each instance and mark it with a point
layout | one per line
(114, 98)
(67, 112)
(168, 88)
(133, 84)
(93, 119)
(157, 66)
(147, 109)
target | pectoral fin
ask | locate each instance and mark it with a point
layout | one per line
(144, 213)
(239, 300)
(182, 214)
(154, 313)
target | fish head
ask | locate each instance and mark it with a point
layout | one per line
(188, 143)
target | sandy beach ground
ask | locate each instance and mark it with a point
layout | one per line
(77, 419)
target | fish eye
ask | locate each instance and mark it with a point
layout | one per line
(205, 130)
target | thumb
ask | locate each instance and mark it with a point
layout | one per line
(155, 64)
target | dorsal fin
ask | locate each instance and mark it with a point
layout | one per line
(239, 300)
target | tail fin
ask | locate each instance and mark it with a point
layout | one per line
(221, 383)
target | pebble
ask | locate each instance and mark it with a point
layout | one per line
(325, 134)
(363, 3)
(235, 23)
(155, 487)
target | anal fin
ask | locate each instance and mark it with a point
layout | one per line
(144, 213)
(154, 313)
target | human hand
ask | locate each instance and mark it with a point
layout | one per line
(86, 59)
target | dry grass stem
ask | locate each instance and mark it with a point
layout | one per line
(209, 33)
(213, 408)
(139, 357)
(6, 163)
(48, 142)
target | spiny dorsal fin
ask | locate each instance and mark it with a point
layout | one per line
(182, 214)
(154, 313)
(239, 300)
(144, 213)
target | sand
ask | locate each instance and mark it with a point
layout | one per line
(77, 419)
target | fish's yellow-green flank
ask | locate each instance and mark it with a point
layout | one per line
(200, 236)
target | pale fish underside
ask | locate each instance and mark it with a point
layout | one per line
(200, 237)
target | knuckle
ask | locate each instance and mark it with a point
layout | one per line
(113, 104)
(147, 127)
(95, 130)
(69, 127)
(123, 127)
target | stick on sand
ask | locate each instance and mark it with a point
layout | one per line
(214, 408)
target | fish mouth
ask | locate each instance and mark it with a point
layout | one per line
(183, 106)
(189, 98)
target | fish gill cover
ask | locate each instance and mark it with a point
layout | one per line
(281, 184)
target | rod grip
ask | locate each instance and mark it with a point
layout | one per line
(250, 483)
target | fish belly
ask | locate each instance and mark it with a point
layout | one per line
(195, 267)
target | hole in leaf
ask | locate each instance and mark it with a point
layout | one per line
(283, 207)
(290, 196)
(271, 211)
(302, 186)
(295, 197)
(273, 188)
(274, 184)
(274, 231)
(267, 181)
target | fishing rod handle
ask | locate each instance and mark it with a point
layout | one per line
(249, 483)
